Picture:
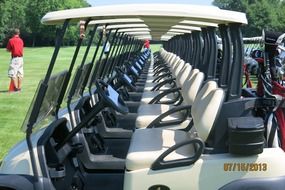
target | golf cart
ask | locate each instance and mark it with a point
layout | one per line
(253, 54)
(209, 131)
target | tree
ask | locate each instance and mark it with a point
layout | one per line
(27, 15)
(261, 14)
(38, 9)
(235, 5)
(12, 15)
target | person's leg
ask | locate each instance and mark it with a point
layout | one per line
(15, 81)
(20, 73)
(19, 83)
(12, 76)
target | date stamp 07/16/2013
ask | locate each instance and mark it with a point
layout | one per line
(245, 167)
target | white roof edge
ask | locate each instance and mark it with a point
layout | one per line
(123, 26)
(165, 38)
(198, 23)
(174, 33)
(179, 30)
(186, 27)
(138, 33)
(183, 11)
(134, 30)
(126, 26)
(117, 21)
(144, 37)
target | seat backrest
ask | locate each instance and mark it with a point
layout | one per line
(191, 86)
(183, 74)
(170, 57)
(178, 68)
(174, 65)
(177, 58)
(169, 54)
(206, 108)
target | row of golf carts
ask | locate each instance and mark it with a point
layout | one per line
(138, 119)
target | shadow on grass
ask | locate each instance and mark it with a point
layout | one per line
(3, 91)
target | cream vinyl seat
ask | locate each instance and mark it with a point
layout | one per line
(175, 66)
(172, 61)
(181, 77)
(147, 145)
(142, 154)
(169, 59)
(147, 113)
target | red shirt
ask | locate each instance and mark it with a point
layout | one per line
(146, 44)
(16, 46)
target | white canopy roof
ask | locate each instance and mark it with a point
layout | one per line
(133, 30)
(138, 33)
(166, 37)
(143, 37)
(159, 18)
(179, 30)
(120, 26)
(185, 27)
(113, 21)
(198, 23)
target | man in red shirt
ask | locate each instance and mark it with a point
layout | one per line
(146, 44)
(16, 71)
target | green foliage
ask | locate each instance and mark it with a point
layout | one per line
(27, 14)
(261, 14)
(235, 5)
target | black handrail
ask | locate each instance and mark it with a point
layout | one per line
(205, 53)
(235, 85)
(211, 73)
(191, 50)
(226, 57)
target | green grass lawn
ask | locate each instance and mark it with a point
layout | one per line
(13, 106)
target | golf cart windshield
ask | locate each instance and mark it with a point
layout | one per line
(79, 81)
(48, 105)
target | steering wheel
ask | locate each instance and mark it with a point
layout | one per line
(125, 79)
(110, 97)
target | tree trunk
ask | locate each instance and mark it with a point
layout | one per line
(34, 40)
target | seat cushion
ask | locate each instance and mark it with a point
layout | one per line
(148, 144)
(148, 96)
(149, 86)
(150, 73)
(149, 112)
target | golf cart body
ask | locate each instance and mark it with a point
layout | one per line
(57, 153)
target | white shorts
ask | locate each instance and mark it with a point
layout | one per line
(16, 68)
